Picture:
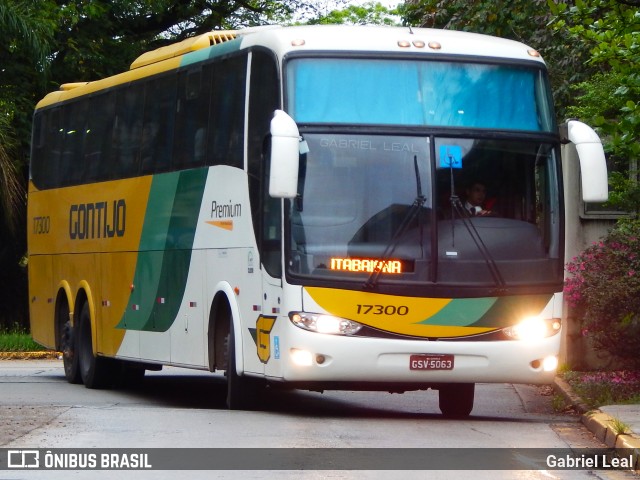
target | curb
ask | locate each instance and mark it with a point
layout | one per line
(601, 425)
(30, 355)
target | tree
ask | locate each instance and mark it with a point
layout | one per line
(610, 99)
(100, 38)
(370, 13)
(24, 45)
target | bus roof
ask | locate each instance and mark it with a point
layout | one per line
(387, 39)
(319, 38)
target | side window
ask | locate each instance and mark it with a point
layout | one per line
(158, 125)
(54, 144)
(98, 137)
(226, 122)
(264, 98)
(39, 156)
(72, 132)
(127, 131)
(192, 119)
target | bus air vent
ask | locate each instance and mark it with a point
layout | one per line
(189, 45)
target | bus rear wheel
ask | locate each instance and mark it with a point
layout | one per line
(456, 399)
(68, 347)
(96, 372)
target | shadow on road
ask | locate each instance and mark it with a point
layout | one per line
(209, 392)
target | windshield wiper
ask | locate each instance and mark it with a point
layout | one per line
(458, 208)
(411, 214)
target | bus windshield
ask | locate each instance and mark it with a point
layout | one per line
(397, 208)
(419, 93)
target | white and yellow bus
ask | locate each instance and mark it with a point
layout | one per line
(287, 205)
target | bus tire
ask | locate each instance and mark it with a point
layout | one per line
(69, 348)
(456, 399)
(96, 372)
(242, 392)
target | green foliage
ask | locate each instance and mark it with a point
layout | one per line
(100, 38)
(24, 46)
(17, 339)
(604, 102)
(604, 289)
(619, 427)
(502, 18)
(370, 13)
(610, 99)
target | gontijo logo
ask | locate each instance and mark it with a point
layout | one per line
(222, 214)
(97, 220)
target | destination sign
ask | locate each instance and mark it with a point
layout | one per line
(368, 265)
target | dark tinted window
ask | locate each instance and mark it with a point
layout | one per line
(226, 122)
(99, 137)
(184, 119)
(127, 130)
(158, 125)
(263, 100)
(192, 119)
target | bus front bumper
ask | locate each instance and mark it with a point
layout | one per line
(315, 358)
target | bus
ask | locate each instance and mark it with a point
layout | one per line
(287, 205)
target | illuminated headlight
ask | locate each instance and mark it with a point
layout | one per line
(316, 322)
(534, 328)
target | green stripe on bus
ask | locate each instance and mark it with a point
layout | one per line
(490, 312)
(462, 312)
(511, 310)
(164, 256)
(207, 53)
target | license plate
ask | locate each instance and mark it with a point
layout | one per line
(431, 362)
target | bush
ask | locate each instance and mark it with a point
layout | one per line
(604, 288)
(605, 388)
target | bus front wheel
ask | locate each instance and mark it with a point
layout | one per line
(242, 391)
(456, 399)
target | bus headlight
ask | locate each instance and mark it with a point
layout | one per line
(320, 323)
(534, 328)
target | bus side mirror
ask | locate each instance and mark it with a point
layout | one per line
(285, 157)
(593, 165)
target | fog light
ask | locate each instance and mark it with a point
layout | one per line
(302, 358)
(549, 364)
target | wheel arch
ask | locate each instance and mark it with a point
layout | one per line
(224, 303)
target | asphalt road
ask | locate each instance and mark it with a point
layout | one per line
(184, 408)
